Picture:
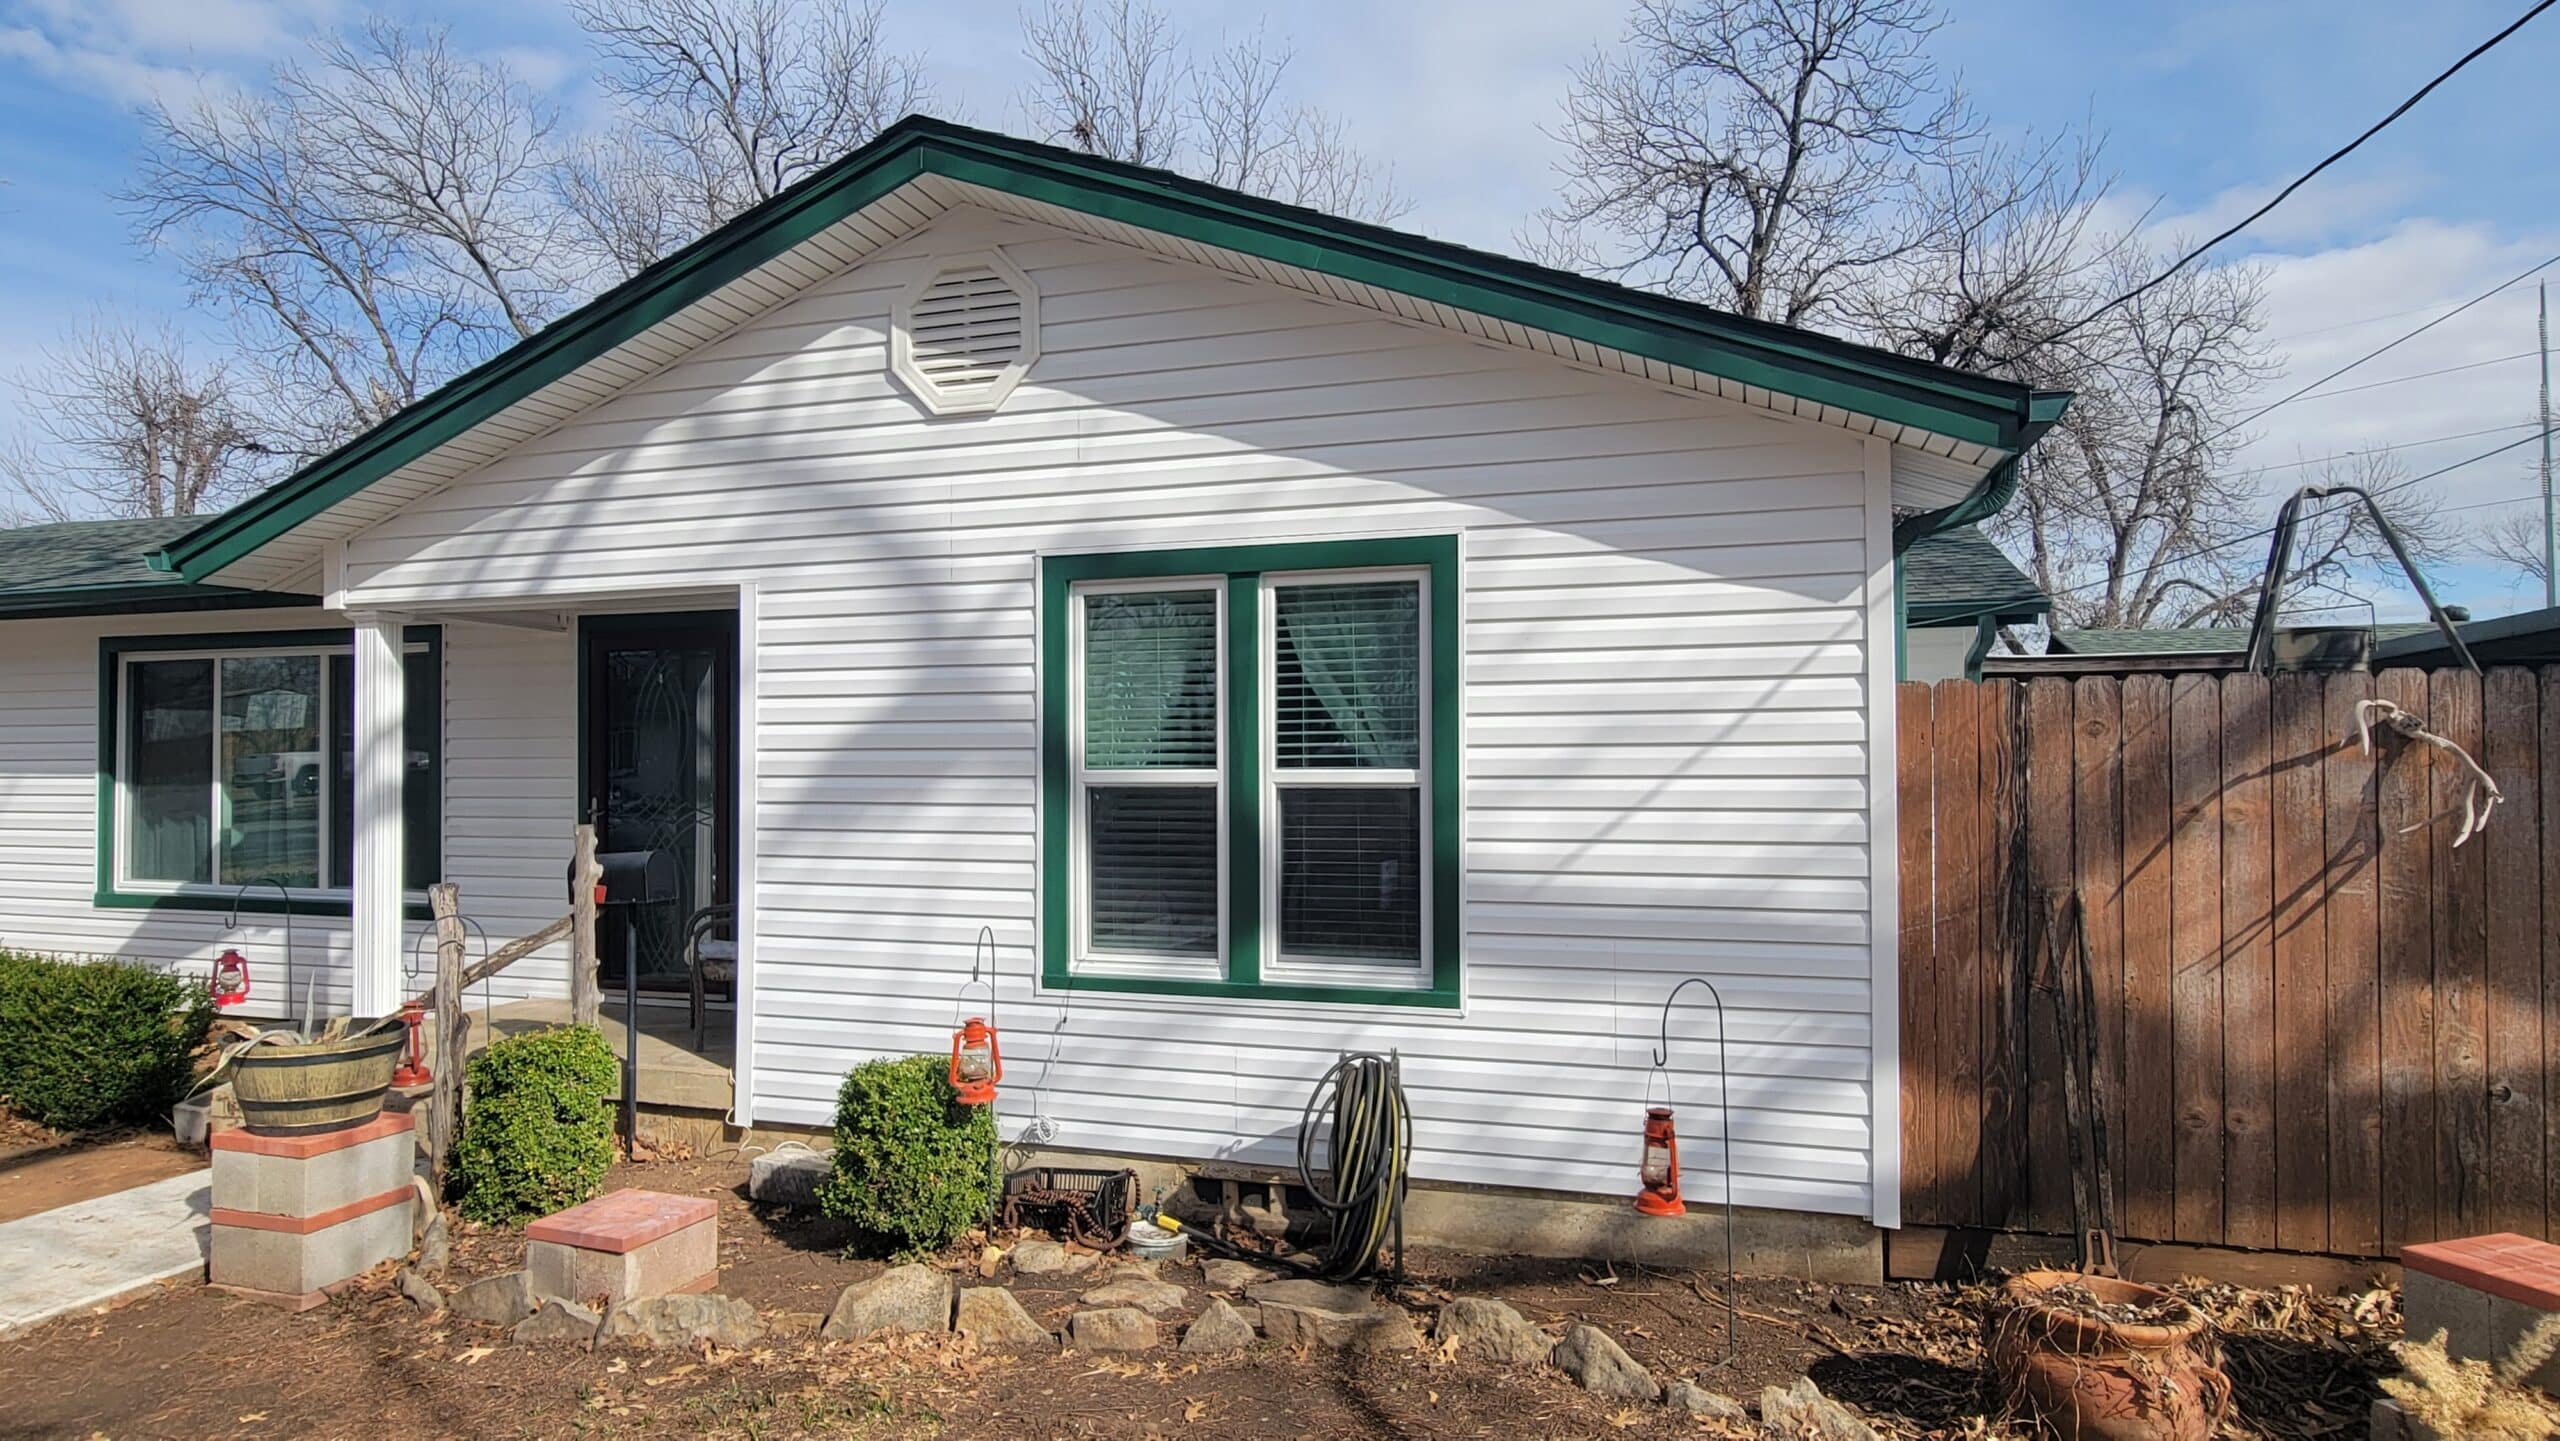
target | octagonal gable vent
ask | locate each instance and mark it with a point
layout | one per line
(961, 338)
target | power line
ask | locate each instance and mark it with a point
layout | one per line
(2423, 375)
(2392, 448)
(2386, 347)
(2341, 153)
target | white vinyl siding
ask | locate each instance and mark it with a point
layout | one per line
(1665, 670)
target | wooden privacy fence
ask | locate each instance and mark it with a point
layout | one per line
(2318, 1025)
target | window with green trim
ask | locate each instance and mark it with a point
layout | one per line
(228, 761)
(1250, 771)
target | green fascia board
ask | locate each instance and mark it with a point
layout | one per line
(164, 597)
(1994, 413)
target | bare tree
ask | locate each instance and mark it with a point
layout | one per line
(1763, 155)
(728, 103)
(373, 222)
(2515, 539)
(1119, 80)
(124, 423)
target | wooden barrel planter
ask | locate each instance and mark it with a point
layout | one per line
(2088, 1357)
(290, 1088)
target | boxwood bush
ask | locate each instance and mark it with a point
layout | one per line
(537, 1127)
(914, 1168)
(85, 1043)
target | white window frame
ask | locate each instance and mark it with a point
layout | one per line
(216, 889)
(1085, 958)
(1277, 964)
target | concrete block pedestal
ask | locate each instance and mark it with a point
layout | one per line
(294, 1216)
(625, 1246)
(2483, 1292)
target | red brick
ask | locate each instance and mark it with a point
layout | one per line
(623, 1221)
(304, 1147)
(2515, 1268)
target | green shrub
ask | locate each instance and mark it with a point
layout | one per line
(83, 1043)
(537, 1131)
(913, 1167)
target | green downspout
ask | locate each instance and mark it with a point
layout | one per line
(1998, 484)
(1901, 623)
(1986, 629)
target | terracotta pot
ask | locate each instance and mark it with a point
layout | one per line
(2078, 1376)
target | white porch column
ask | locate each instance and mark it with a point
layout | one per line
(381, 765)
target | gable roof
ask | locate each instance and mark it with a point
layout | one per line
(1499, 298)
(1959, 576)
(85, 567)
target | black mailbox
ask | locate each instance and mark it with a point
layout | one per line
(631, 878)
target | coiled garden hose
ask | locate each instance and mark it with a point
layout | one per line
(1371, 1162)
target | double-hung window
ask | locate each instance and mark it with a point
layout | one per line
(228, 761)
(1250, 771)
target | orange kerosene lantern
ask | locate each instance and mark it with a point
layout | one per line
(977, 1062)
(1661, 1166)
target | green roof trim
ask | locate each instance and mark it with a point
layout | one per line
(1959, 576)
(1994, 413)
(98, 567)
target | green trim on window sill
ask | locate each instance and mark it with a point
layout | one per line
(324, 907)
(1243, 566)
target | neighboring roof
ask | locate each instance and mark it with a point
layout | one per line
(2195, 640)
(2532, 635)
(1956, 577)
(1514, 302)
(88, 567)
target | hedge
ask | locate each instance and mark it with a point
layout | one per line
(914, 1168)
(85, 1043)
(537, 1131)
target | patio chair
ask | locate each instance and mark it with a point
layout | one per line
(710, 957)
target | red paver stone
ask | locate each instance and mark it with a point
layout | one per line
(622, 1222)
(320, 1143)
(2515, 1268)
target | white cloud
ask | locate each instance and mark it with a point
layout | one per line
(132, 52)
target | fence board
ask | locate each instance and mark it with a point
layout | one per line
(2461, 961)
(2248, 966)
(2150, 1091)
(2300, 1054)
(2321, 1026)
(2510, 729)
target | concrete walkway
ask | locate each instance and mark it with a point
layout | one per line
(92, 1252)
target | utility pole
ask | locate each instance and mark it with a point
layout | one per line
(2550, 516)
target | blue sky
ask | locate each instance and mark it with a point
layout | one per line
(2207, 108)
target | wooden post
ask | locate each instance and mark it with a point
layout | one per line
(452, 1031)
(583, 1007)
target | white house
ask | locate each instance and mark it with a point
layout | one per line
(1286, 634)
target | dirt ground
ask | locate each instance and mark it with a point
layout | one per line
(193, 1362)
(50, 1170)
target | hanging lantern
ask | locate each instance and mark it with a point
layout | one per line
(1661, 1169)
(412, 1070)
(230, 981)
(977, 1063)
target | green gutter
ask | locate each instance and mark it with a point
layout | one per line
(138, 598)
(1998, 485)
(1996, 414)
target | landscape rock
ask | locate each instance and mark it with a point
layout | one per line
(1802, 1410)
(684, 1321)
(1225, 1275)
(1697, 1400)
(1489, 1330)
(1300, 1312)
(1120, 1328)
(788, 1178)
(559, 1323)
(435, 1245)
(1142, 1291)
(1603, 1367)
(901, 1299)
(495, 1300)
(422, 1293)
(1220, 1331)
(990, 1260)
(991, 1316)
(1047, 1258)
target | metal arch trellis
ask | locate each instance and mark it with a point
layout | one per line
(1724, 1140)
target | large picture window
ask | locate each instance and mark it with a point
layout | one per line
(1251, 771)
(228, 761)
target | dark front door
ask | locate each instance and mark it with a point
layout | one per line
(660, 698)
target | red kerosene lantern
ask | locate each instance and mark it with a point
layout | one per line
(1661, 1168)
(230, 981)
(977, 1063)
(412, 1070)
